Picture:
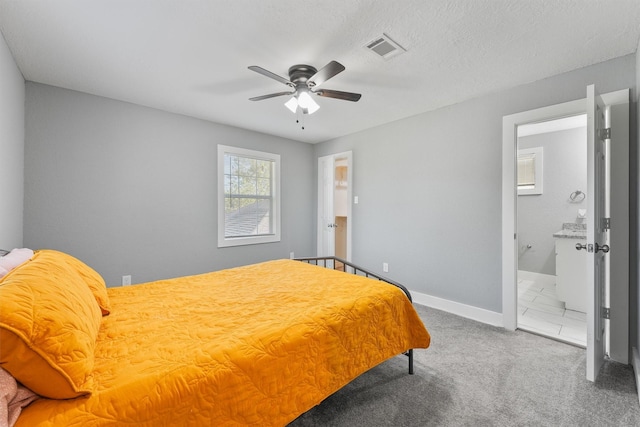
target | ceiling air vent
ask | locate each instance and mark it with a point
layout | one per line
(385, 47)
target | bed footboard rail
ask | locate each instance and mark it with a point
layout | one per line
(349, 267)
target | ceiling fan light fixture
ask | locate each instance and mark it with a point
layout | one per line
(307, 103)
(303, 100)
(292, 104)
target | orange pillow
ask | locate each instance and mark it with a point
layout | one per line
(89, 275)
(49, 321)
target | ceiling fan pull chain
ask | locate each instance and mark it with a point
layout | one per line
(300, 117)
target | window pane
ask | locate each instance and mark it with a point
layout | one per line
(227, 164)
(233, 164)
(264, 219)
(246, 185)
(527, 170)
(227, 184)
(264, 168)
(233, 189)
(246, 166)
(264, 187)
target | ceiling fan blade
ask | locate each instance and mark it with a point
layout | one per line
(346, 96)
(271, 95)
(328, 71)
(269, 74)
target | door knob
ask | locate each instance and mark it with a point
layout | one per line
(580, 246)
(603, 248)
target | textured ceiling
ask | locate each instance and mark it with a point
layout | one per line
(191, 57)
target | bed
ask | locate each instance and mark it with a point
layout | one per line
(254, 345)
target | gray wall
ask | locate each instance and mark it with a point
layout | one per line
(541, 215)
(12, 95)
(132, 190)
(429, 186)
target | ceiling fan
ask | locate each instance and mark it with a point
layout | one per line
(305, 80)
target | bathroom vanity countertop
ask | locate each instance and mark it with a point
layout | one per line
(572, 231)
(571, 234)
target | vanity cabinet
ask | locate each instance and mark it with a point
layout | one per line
(571, 274)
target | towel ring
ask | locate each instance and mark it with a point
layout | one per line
(577, 196)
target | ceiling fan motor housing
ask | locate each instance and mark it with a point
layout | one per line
(299, 74)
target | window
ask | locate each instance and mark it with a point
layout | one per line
(248, 197)
(527, 171)
(530, 171)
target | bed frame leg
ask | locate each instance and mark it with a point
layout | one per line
(410, 354)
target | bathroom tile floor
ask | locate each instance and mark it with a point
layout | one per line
(540, 312)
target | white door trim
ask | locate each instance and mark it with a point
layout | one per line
(619, 325)
(619, 350)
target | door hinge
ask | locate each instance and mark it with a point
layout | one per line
(605, 133)
(605, 312)
(606, 224)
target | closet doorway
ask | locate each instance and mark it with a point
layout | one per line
(334, 205)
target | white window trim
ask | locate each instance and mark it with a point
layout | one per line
(251, 240)
(537, 188)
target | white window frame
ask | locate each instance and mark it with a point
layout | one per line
(537, 158)
(248, 240)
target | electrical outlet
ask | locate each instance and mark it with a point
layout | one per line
(291, 255)
(385, 267)
(126, 280)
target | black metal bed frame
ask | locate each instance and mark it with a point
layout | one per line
(339, 264)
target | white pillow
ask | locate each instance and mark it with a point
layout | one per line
(14, 259)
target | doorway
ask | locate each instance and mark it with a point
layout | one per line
(617, 104)
(551, 219)
(334, 207)
(340, 201)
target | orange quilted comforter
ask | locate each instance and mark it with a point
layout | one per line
(255, 345)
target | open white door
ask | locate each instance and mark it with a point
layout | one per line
(334, 205)
(326, 218)
(597, 236)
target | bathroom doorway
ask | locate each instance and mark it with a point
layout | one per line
(616, 263)
(551, 214)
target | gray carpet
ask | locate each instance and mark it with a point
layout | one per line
(479, 375)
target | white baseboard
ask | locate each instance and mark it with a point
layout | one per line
(635, 362)
(459, 309)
